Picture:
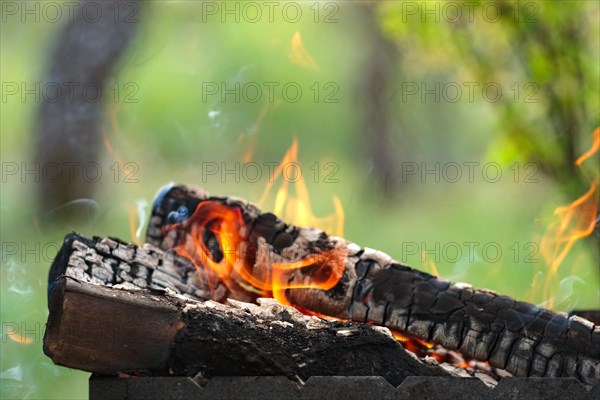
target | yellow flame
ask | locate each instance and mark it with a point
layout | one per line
(137, 216)
(16, 337)
(429, 264)
(296, 208)
(299, 55)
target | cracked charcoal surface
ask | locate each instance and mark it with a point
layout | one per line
(509, 334)
(109, 261)
(239, 338)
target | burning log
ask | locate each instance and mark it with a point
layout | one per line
(242, 253)
(117, 307)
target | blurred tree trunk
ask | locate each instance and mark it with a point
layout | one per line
(381, 65)
(68, 136)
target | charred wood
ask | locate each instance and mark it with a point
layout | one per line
(513, 335)
(116, 307)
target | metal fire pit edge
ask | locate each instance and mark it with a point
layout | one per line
(336, 387)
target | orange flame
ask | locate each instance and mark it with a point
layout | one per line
(247, 268)
(575, 221)
(299, 55)
(17, 337)
(592, 150)
(243, 268)
(405, 338)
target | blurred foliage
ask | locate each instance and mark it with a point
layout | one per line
(543, 55)
(172, 130)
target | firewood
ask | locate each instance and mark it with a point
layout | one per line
(521, 338)
(116, 307)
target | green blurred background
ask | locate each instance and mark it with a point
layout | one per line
(367, 57)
